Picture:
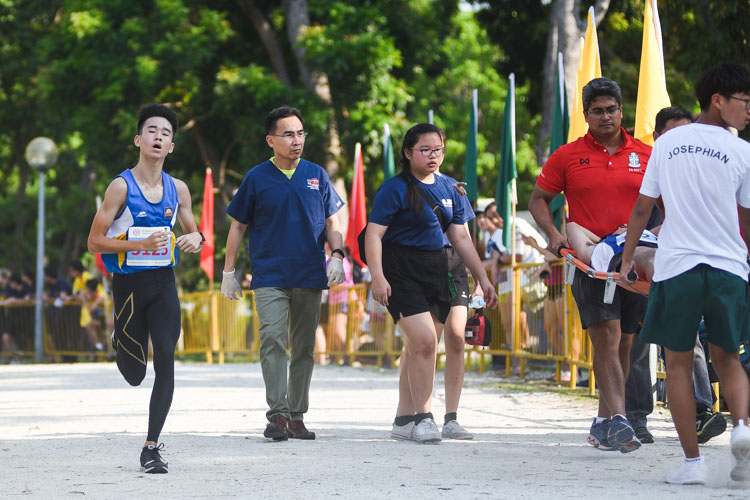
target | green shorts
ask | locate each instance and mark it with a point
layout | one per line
(676, 305)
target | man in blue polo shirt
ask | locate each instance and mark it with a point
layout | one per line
(290, 206)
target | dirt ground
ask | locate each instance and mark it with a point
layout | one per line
(71, 431)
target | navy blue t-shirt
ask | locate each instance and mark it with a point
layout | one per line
(286, 219)
(466, 206)
(390, 208)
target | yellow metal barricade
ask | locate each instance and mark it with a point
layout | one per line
(353, 328)
(17, 330)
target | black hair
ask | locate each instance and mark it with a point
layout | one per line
(92, 284)
(726, 79)
(50, 271)
(410, 139)
(151, 110)
(76, 266)
(15, 278)
(600, 87)
(670, 113)
(279, 113)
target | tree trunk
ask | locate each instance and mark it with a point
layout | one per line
(297, 17)
(566, 29)
(268, 39)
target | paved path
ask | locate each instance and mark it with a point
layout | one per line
(75, 431)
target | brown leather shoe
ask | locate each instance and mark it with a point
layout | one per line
(296, 429)
(276, 428)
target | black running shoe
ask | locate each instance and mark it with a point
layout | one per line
(643, 435)
(151, 461)
(709, 425)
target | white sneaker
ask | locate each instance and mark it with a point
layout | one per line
(426, 431)
(689, 473)
(740, 457)
(453, 430)
(403, 432)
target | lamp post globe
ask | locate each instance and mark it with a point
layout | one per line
(41, 155)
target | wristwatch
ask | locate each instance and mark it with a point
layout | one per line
(203, 238)
(338, 251)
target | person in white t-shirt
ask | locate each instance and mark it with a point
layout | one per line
(702, 173)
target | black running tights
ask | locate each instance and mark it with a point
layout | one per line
(146, 302)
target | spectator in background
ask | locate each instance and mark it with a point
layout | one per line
(80, 277)
(93, 306)
(57, 288)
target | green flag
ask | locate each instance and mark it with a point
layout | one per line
(470, 167)
(506, 176)
(558, 136)
(389, 165)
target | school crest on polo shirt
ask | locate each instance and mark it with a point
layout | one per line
(313, 183)
(634, 163)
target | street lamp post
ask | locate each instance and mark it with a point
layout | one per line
(41, 155)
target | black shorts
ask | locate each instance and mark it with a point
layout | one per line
(418, 280)
(628, 307)
(457, 269)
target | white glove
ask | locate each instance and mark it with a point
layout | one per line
(335, 271)
(229, 286)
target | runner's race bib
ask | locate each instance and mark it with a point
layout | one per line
(149, 258)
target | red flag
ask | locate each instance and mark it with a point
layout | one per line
(207, 226)
(357, 215)
(100, 264)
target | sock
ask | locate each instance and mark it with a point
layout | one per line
(421, 416)
(403, 420)
(741, 423)
(599, 420)
(449, 417)
(619, 415)
(694, 461)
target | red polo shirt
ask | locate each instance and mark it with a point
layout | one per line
(601, 189)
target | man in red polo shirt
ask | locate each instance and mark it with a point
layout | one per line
(601, 175)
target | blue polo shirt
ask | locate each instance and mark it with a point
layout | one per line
(287, 221)
(390, 208)
(465, 205)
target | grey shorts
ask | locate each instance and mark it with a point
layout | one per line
(628, 307)
(457, 268)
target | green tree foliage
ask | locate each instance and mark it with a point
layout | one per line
(78, 70)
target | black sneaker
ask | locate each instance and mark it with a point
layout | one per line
(643, 435)
(151, 461)
(709, 425)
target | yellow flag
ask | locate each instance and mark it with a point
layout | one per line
(652, 84)
(589, 67)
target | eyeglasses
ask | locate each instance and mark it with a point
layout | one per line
(746, 101)
(429, 152)
(599, 112)
(300, 134)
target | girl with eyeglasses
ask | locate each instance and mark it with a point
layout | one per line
(404, 248)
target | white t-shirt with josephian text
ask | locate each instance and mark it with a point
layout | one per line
(702, 172)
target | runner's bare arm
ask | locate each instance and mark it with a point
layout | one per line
(190, 241)
(114, 201)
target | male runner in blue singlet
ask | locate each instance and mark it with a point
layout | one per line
(133, 231)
